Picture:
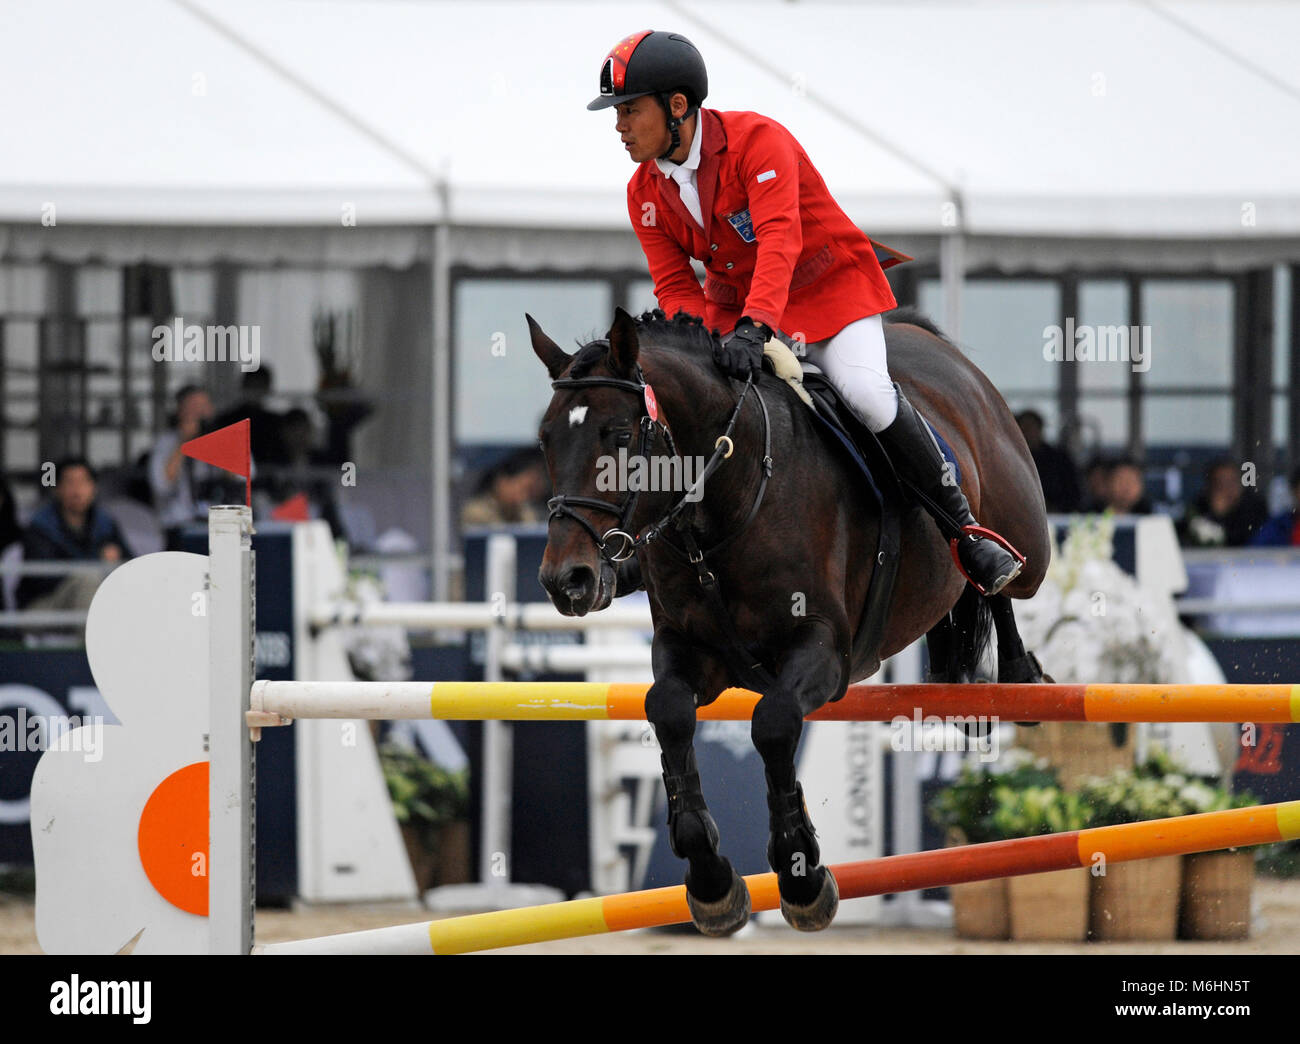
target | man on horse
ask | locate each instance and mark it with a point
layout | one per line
(736, 191)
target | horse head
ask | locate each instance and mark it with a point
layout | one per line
(602, 435)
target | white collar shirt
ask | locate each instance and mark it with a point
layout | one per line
(684, 174)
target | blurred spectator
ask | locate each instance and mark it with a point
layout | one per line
(178, 483)
(1096, 477)
(264, 430)
(1056, 471)
(1226, 514)
(10, 532)
(305, 470)
(69, 527)
(512, 491)
(1283, 530)
(343, 405)
(1126, 488)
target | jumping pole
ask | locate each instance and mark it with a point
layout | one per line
(599, 701)
(1181, 835)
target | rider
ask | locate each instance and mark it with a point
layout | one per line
(736, 191)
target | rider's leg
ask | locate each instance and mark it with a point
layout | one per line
(854, 361)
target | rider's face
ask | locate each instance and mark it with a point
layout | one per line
(642, 126)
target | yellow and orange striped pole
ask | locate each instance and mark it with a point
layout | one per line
(1182, 835)
(598, 701)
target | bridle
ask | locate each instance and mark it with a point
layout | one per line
(650, 425)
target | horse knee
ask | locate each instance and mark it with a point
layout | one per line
(670, 709)
(775, 728)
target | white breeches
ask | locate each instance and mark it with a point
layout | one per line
(854, 362)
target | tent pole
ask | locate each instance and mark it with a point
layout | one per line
(952, 273)
(440, 458)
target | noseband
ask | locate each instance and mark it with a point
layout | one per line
(625, 544)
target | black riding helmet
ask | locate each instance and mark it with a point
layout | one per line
(657, 63)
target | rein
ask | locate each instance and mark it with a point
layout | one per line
(650, 425)
(751, 670)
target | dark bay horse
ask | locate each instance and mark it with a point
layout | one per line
(792, 575)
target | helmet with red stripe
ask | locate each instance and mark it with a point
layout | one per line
(657, 63)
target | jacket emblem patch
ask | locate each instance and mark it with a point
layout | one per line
(743, 224)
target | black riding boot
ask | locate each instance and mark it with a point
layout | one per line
(920, 462)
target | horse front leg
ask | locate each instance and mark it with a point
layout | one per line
(715, 892)
(813, 671)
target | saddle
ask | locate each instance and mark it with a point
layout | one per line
(841, 427)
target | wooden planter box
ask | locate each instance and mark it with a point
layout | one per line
(1050, 906)
(1216, 895)
(454, 863)
(981, 910)
(1137, 900)
(446, 862)
(1078, 749)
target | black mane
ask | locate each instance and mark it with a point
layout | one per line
(682, 332)
(916, 317)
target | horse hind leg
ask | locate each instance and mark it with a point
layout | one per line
(940, 648)
(1015, 663)
(716, 894)
(811, 674)
(958, 643)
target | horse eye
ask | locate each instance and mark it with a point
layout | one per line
(624, 438)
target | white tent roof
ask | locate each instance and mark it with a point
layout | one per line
(1042, 119)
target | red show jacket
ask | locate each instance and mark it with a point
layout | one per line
(777, 248)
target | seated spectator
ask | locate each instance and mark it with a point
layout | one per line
(265, 436)
(513, 491)
(1226, 514)
(1126, 488)
(176, 481)
(10, 531)
(1056, 471)
(305, 470)
(1096, 476)
(1283, 530)
(70, 527)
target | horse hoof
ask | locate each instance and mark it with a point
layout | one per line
(1023, 669)
(724, 916)
(817, 914)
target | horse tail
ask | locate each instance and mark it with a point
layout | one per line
(915, 317)
(973, 618)
(983, 637)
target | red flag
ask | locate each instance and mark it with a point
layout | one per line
(295, 509)
(226, 448)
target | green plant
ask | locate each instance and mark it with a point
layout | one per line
(424, 795)
(1036, 810)
(1157, 789)
(1280, 860)
(968, 806)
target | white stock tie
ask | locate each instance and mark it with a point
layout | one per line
(690, 197)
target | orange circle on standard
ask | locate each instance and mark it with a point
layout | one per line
(173, 830)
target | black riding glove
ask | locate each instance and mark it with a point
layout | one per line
(742, 353)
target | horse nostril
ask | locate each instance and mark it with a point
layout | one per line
(576, 582)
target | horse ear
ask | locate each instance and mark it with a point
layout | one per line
(555, 358)
(623, 344)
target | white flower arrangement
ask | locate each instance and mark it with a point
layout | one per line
(1091, 622)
